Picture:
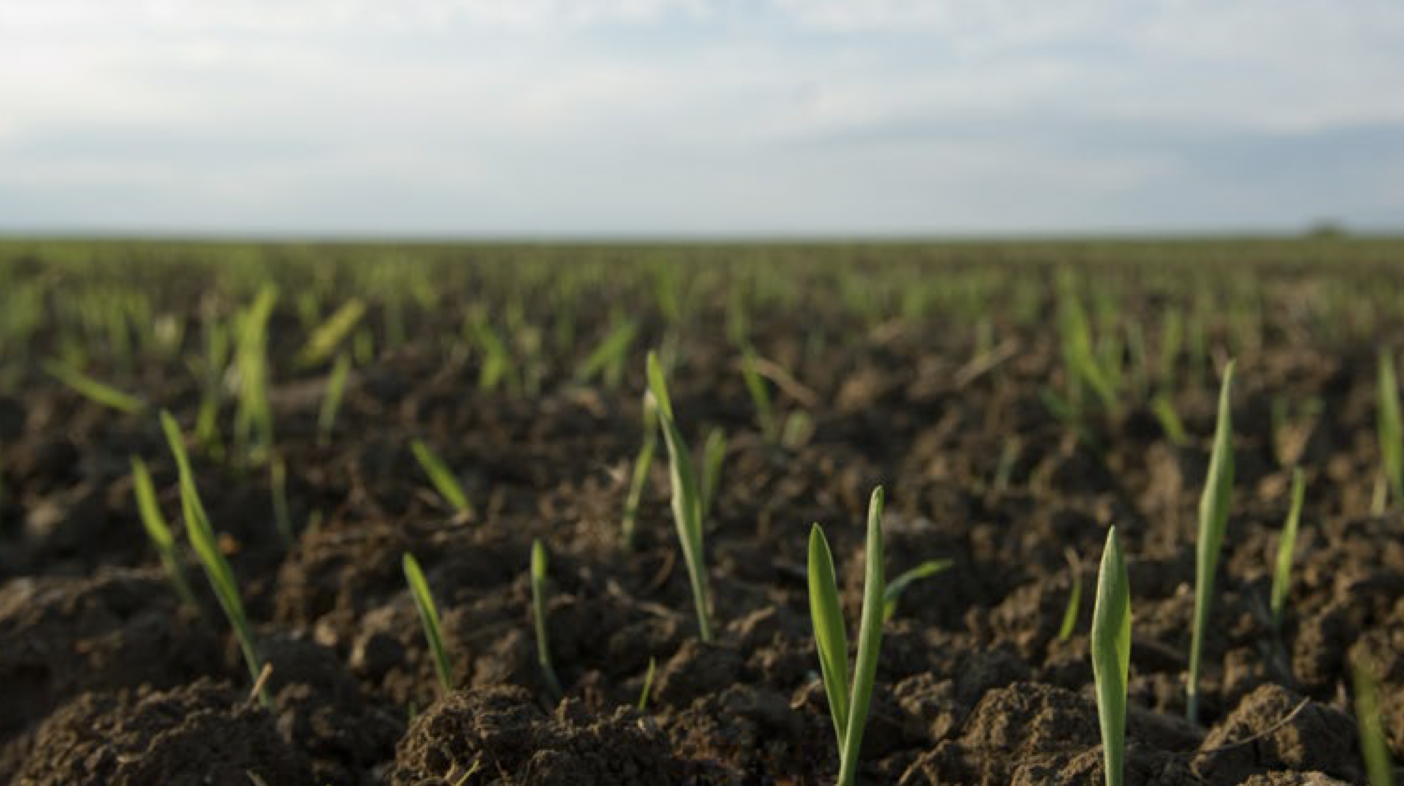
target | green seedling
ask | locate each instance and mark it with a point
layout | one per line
(211, 372)
(253, 416)
(848, 702)
(713, 454)
(797, 431)
(278, 486)
(1213, 521)
(648, 684)
(894, 590)
(607, 359)
(687, 499)
(497, 366)
(160, 533)
(331, 401)
(1111, 656)
(429, 618)
(330, 334)
(1286, 546)
(443, 479)
(1374, 746)
(760, 395)
(1164, 410)
(1069, 623)
(538, 608)
(95, 391)
(217, 570)
(642, 463)
(1390, 428)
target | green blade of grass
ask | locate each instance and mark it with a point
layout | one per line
(760, 395)
(648, 684)
(1374, 746)
(609, 355)
(1213, 521)
(217, 570)
(442, 477)
(830, 638)
(1069, 623)
(869, 644)
(429, 618)
(1391, 431)
(687, 501)
(713, 454)
(159, 532)
(642, 464)
(1286, 546)
(96, 391)
(330, 334)
(538, 606)
(1164, 410)
(895, 587)
(1111, 656)
(331, 402)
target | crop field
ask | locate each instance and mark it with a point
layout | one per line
(1074, 512)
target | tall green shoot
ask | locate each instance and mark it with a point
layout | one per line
(1111, 656)
(1374, 747)
(331, 401)
(713, 454)
(96, 391)
(639, 478)
(429, 618)
(538, 609)
(217, 570)
(760, 394)
(160, 533)
(687, 498)
(330, 334)
(1391, 430)
(848, 702)
(253, 417)
(1213, 522)
(1286, 546)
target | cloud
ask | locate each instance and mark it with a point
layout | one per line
(647, 116)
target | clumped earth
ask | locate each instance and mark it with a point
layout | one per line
(106, 679)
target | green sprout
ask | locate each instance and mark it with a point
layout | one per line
(1390, 428)
(1282, 571)
(1111, 656)
(1069, 624)
(648, 684)
(1164, 410)
(538, 608)
(96, 391)
(330, 334)
(848, 703)
(253, 417)
(1213, 521)
(443, 479)
(331, 402)
(894, 590)
(159, 532)
(217, 570)
(211, 370)
(687, 500)
(642, 463)
(760, 394)
(1373, 746)
(607, 360)
(713, 454)
(429, 618)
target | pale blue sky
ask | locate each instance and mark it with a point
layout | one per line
(657, 117)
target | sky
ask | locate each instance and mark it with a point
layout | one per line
(595, 118)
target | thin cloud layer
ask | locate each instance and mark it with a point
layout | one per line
(643, 117)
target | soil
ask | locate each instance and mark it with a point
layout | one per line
(106, 679)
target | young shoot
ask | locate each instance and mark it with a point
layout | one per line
(538, 609)
(331, 401)
(159, 532)
(1391, 430)
(648, 684)
(642, 463)
(1374, 746)
(687, 498)
(429, 618)
(894, 590)
(1069, 623)
(848, 701)
(253, 417)
(217, 570)
(713, 454)
(607, 360)
(95, 391)
(442, 477)
(330, 334)
(1282, 569)
(278, 486)
(760, 395)
(1111, 656)
(1213, 521)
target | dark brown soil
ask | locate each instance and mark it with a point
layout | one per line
(104, 679)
